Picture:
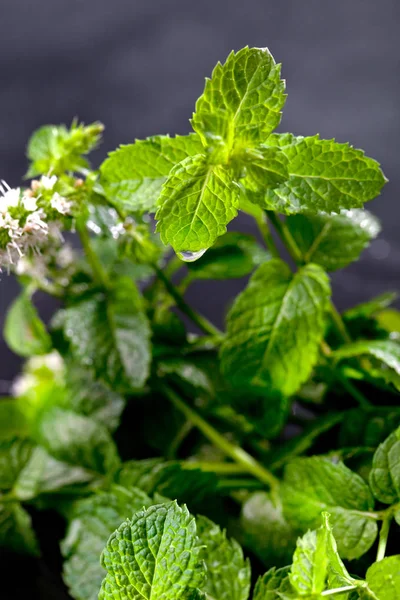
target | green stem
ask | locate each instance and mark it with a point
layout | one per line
(339, 324)
(201, 322)
(99, 273)
(383, 537)
(220, 468)
(264, 229)
(239, 455)
(239, 484)
(353, 390)
(345, 588)
(182, 433)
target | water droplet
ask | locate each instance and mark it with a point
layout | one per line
(188, 256)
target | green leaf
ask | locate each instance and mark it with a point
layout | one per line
(338, 575)
(384, 478)
(111, 335)
(323, 176)
(163, 553)
(14, 455)
(266, 532)
(371, 307)
(91, 523)
(170, 479)
(333, 241)
(265, 167)
(228, 573)
(383, 578)
(275, 326)
(242, 101)
(232, 256)
(197, 202)
(386, 352)
(368, 428)
(12, 420)
(133, 175)
(315, 485)
(16, 531)
(24, 332)
(76, 440)
(56, 149)
(274, 585)
(310, 563)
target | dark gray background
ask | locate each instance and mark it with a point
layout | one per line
(138, 66)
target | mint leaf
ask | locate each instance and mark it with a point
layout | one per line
(310, 563)
(383, 579)
(275, 326)
(368, 428)
(24, 332)
(265, 167)
(371, 307)
(333, 241)
(274, 585)
(91, 523)
(12, 420)
(133, 175)
(196, 203)
(228, 573)
(242, 101)
(233, 255)
(56, 149)
(315, 485)
(266, 532)
(154, 555)
(76, 440)
(386, 352)
(384, 478)
(323, 176)
(14, 455)
(111, 335)
(170, 479)
(16, 531)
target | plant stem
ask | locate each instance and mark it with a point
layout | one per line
(345, 588)
(239, 455)
(263, 227)
(201, 322)
(383, 537)
(353, 390)
(339, 324)
(220, 468)
(97, 269)
(239, 484)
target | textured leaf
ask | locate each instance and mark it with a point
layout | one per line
(154, 555)
(265, 167)
(314, 485)
(275, 326)
(111, 335)
(274, 585)
(76, 440)
(24, 332)
(368, 428)
(197, 202)
(16, 531)
(371, 307)
(228, 573)
(233, 255)
(384, 478)
(242, 101)
(170, 479)
(386, 352)
(310, 563)
(383, 578)
(133, 175)
(323, 176)
(92, 522)
(266, 531)
(14, 455)
(333, 241)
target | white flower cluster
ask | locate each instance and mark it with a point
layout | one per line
(23, 226)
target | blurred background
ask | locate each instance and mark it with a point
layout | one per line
(139, 65)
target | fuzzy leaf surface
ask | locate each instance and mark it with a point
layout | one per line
(275, 326)
(132, 175)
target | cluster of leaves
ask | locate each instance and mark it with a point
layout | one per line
(289, 414)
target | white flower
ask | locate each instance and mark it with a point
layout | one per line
(48, 183)
(29, 203)
(23, 384)
(12, 225)
(9, 197)
(61, 204)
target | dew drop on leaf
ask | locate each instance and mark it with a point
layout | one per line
(188, 256)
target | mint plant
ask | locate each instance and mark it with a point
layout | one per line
(134, 415)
